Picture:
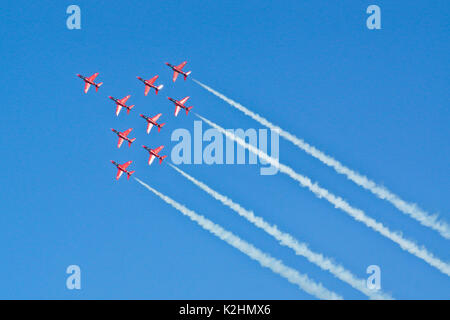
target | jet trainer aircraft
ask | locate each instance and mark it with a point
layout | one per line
(123, 136)
(177, 70)
(180, 105)
(150, 84)
(122, 168)
(154, 154)
(90, 81)
(121, 103)
(152, 122)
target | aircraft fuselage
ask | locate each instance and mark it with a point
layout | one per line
(119, 103)
(174, 68)
(150, 120)
(177, 103)
(152, 152)
(147, 83)
(87, 80)
(118, 166)
(121, 135)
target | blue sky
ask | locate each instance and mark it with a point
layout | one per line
(375, 100)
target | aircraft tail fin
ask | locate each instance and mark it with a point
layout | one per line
(160, 126)
(129, 108)
(188, 109)
(186, 75)
(129, 174)
(130, 142)
(161, 159)
(98, 86)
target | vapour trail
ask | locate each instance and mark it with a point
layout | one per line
(293, 276)
(357, 214)
(285, 239)
(410, 209)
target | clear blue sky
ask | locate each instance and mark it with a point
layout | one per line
(376, 100)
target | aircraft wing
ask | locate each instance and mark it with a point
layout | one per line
(155, 118)
(126, 164)
(149, 127)
(118, 108)
(152, 80)
(120, 142)
(151, 159)
(119, 174)
(181, 65)
(147, 89)
(87, 85)
(92, 78)
(127, 132)
(175, 75)
(124, 100)
(177, 110)
(157, 150)
(183, 101)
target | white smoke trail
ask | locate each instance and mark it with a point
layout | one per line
(286, 239)
(382, 192)
(301, 280)
(340, 203)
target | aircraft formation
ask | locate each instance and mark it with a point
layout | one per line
(151, 121)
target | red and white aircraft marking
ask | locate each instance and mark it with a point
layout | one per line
(150, 84)
(152, 122)
(180, 105)
(154, 154)
(123, 136)
(122, 168)
(121, 103)
(90, 81)
(177, 70)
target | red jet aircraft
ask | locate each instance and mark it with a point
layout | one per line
(180, 105)
(150, 84)
(177, 70)
(152, 122)
(123, 136)
(121, 103)
(154, 154)
(90, 81)
(122, 168)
